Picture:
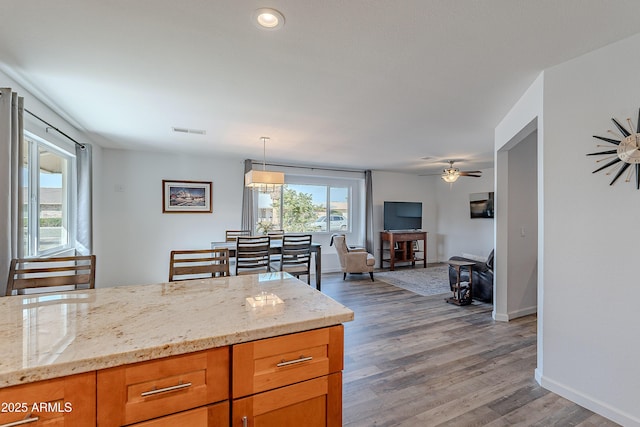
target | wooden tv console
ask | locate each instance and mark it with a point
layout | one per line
(400, 248)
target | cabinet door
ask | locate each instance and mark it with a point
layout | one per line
(207, 416)
(276, 362)
(142, 391)
(67, 401)
(312, 403)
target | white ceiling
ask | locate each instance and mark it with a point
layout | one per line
(374, 84)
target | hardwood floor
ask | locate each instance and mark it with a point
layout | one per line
(418, 361)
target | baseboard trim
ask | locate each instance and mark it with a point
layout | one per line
(588, 402)
(523, 312)
(499, 317)
(502, 317)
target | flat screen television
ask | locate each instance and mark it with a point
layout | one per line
(402, 215)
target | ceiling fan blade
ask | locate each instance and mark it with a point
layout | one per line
(470, 174)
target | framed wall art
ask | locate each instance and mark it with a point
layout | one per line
(186, 196)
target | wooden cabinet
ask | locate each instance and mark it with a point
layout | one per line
(403, 247)
(311, 403)
(146, 390)
(290, 380)
(207, 416)
(68, 401)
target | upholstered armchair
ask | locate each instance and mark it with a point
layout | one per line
(353, 260)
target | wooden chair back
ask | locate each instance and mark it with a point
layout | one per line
(45, 274)
(296, 255)
(232, 235)
(198, 264)
(252, 254)
(275, 234)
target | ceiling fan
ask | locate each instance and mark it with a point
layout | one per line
(452, 174)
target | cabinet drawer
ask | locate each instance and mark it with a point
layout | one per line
(146, 390)
(276, 362)
(67, 401)
(206, 416)
(406, 237)
(312, 403)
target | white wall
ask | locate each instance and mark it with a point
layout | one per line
(588, 325)
(457, 232)
(400, 187)
(135, 237)
(591, 330)
(522, 277)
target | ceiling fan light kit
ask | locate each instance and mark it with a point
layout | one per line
(452, 174)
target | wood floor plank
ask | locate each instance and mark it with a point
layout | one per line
(412, 360)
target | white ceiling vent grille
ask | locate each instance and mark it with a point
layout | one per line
(192, 131)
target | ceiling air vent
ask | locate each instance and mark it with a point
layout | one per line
(186, 130)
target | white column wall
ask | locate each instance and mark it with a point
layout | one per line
(587, 314)
(591, 343)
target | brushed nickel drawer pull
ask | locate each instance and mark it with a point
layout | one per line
(21, 422)
(164, 390)
(293, 362)
(245, 422)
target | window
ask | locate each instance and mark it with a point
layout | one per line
(303, 205)
(48, 197)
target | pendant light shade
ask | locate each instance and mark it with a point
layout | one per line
(263, 180)
(255, 178)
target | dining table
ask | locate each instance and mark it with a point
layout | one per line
(275, 248)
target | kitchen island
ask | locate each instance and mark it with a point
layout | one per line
(248, 337)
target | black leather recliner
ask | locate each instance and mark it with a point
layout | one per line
(482, 277)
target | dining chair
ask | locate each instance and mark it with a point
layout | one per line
(232, 235)
(36, 275)
(275, 234)
(252, 254)
(198, 264)
(295, 256)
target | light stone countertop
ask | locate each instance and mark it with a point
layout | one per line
(52, 335)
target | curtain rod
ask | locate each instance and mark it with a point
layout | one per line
(82, 146)
(284, 165)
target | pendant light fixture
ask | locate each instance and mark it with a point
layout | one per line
(263, 180)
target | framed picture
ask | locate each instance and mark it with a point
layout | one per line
(186, 196)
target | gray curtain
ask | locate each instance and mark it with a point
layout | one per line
(248, 220)
(84, 179)
(368, 211)
(11, 135)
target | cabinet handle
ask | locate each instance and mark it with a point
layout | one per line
(21, 422)
(164, 390)
(245, 422)
(293, 362)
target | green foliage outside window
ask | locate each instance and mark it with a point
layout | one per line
(50, 222)
(299, 211)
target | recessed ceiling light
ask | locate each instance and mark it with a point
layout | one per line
(268, 19)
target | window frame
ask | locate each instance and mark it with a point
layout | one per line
(355, 197)
(32, 144)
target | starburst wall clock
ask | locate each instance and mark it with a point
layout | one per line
(623, 152)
